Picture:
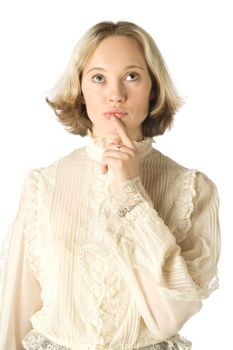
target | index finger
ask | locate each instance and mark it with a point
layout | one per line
(126, 140)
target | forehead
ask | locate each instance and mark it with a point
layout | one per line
(117, 50)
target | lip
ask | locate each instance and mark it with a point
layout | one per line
(118, 113)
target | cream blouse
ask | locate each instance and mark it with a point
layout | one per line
(78, 274)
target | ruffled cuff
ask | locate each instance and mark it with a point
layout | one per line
(120, 200)
(127, 196)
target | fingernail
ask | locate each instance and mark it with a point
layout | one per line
(113, 117)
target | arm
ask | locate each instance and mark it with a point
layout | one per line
(20, 291)
(167, 280)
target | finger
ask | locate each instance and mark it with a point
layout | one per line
(110, 156)
(108, 162)
(116, 140)
(112, 151)
(121, 130)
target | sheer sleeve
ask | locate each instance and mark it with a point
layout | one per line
(19, 289)
(201, 247)
(167, 279)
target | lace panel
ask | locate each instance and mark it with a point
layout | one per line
(41, 184)
(37, 341)
(107, 288)
(184, 205)
(120, 199)
(177, 342)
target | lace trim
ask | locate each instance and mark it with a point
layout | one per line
(184, 204)
(31, 226)
(130, 194)
(29, 194)
(107, 289)
(122, 199)
(96, 296)
(117, 198)
(176, 342)
(37, 341)
(37, 202)
(107, 306)
(132, 189)
(96, 240)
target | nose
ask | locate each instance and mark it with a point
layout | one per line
(117, 93)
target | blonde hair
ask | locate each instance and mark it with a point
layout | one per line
(67, 105)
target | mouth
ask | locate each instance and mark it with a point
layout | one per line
(119, 115)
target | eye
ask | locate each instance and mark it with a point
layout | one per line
(98, 78)
(132, 76)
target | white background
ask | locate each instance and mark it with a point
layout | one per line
(36, 39)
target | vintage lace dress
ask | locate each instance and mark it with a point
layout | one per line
(80, 273)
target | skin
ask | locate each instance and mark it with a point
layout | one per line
(116, 77)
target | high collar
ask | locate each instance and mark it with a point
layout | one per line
(95, 146)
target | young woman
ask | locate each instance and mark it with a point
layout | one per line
(114, 245)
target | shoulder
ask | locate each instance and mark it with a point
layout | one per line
(188, 190)
(163, 162)
(173, 169)
(183, 185)
(206, 191)
(169, 172)
(78, 154)
(42, 179)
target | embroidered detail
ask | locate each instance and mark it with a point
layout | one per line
(183, 209)
(97, 292)
(123, 198)
(176, 342)
(126, 210)
(131, 192)
(37, 202)
(29, 202)
(37, 341)
(184, 205)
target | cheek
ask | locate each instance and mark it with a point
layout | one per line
(142, 98)
(91, 94)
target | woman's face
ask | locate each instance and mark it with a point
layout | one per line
(116, 81)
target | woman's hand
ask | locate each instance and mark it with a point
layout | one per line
(124, 162)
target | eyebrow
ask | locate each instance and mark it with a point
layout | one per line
(103, 69)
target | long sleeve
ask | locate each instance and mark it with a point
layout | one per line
(167, 279)
(20, 291)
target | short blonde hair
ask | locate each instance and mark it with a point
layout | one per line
(67, 105)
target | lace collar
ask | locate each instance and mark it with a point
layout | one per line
(95, 146)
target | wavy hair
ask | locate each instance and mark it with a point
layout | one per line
(67, 104)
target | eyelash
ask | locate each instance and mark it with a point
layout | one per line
(130, 73)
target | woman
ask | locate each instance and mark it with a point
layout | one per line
(114, 245)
